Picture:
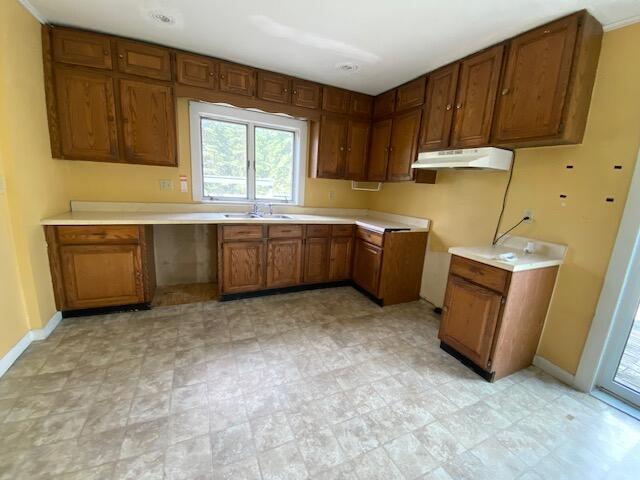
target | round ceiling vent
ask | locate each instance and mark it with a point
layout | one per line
(348, 67)
(162, 18)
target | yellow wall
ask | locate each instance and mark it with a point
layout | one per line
(464, 206)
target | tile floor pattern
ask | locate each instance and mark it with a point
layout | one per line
(629, 370)
(321, 385)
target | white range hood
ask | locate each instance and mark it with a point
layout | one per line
(485, 158)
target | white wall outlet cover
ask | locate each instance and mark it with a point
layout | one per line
(183, 184)
(166, 184)
(528, 213)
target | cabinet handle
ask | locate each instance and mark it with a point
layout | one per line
(341, 149)
(211, 74)
(448, 107)
(349, 149)
(106, 52)
(458, 106)
(222, 75)
(445, 308)
(121, 56)
(295, 92)
(391, 149)
(284, 90)
(504, 92)
(547, 31)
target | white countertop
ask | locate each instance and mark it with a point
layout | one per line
(545, 254)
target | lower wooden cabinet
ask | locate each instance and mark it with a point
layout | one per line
(284, 262)
(95, 267)
(243, 266)
(316, 259)
(341, 258)
(367, 262)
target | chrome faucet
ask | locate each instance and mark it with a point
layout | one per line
(255, 209)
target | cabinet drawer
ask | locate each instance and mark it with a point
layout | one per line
(285, 231)
(82, 48)
(485, 275)
(318, 230)
(241, 232)
(374, 238)
(87, 235)
(342, 230)
(144, 60)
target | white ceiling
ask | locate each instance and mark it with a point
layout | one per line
(391, 40)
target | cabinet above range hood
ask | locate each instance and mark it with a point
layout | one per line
(485, 158)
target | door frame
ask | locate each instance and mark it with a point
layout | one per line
(611, 310)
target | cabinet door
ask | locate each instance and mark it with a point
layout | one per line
(404, 145)
(81, 48)
(360, 104)
(102, 275)
(340, 258)
(438, 109)
(242, 266)
(357, 149)
(335, 100)
(411, 94)
(87, 115)
(237, 79)
(379, 151)
(196, 71)
(367, 263)
(148, 123)
(274, 87)
(535, 80)
(306, 94)
(316, 260)
(145, 60)
(284, 262)
(384, 104)
(469, 320)
(477, 88)
(331, 149)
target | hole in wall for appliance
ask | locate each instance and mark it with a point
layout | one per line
(609, 199)
(617, 167)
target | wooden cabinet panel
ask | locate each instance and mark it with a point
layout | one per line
(438, 109)
(242, 266)
(379, 151)
(335, 100)
(318, 231)
(316, 260)
(332, 145)
(97, 234)
(493, 278)
(86, 114)
(470, 315)
(148, 123)
(285, 231)
(342, 230)
(370, 236)
(357, 150)
(411, 94)
(477, 88)
(306, 94)
(101, 275)
(274, 87)
(284, 262)
(145, 60)
(237, 79)
(81, 48)
(196, 71)
(384, 104)
(242, 232)
(367, 262)
(360, 104)
(535, 81)
(341, 256)
(404, 145)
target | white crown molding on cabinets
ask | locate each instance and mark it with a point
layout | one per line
(33, 11)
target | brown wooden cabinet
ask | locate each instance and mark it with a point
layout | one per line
(237, 79)
(357, 150)
(274, 87)
(411, 94)
(476, 97)
(81, 48)
(196, 70)
(360, 104)
(284, 262)
(87, 114)
(335, 100)
(384, 104)
(438, 108)
(341, 256)
(145, 60)
(367, 264)
(332, 146)
(403, 147)
(306, 94)
(379, 150)
(316, 259)
(148, 123)
(243, 266)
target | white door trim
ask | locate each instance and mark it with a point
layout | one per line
(608, 309)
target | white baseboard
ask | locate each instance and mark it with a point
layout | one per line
(31, 336)
(554, 370)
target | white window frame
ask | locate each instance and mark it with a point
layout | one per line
(251, 118)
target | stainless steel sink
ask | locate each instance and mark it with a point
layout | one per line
(241, 215)
(277, 215)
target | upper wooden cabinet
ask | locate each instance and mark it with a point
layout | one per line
(546, 87)
(274, 87)
(411, 94)
(360, 104)
(384, 104)
(148, 123)
(438, 108)
(237, 79)
(335, 100)
(306, 94)
(403, 148)
(379, 150)
(357, 150)
(332, 146)
(81, 48)
(196, 70)
(477, 88)
(145, 60)
(87, 114)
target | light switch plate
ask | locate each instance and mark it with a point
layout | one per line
(166, 184)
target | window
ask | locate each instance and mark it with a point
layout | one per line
(242, 155)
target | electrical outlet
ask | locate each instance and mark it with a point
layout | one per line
(528, 213)
(332, 194)
(166, 184)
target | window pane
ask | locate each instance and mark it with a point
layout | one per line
(274, 164)
(224, 158)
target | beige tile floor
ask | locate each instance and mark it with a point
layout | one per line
(322, 385)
